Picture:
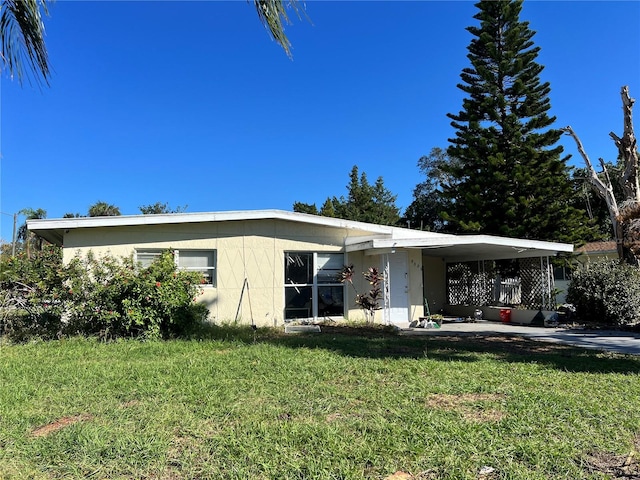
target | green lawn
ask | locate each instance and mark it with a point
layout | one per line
(245, 405)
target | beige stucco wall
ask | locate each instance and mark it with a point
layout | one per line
(252, 249)
(416, 284)
(362, 262)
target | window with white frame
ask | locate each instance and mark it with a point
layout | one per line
(203, 261)
(312, 288)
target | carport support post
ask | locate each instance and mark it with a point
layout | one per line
(546, 291)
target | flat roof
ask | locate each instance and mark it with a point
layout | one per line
(376, 238)
(461, 248)
(53, 230)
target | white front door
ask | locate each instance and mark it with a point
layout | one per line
(398, 288)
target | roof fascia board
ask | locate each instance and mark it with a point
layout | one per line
(515, 243)
(359, 246)
(356, 241)
(489, 256)
(177, 218)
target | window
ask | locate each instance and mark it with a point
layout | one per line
(203, 261)
(147, 257)
(312, 288)
(561, 273)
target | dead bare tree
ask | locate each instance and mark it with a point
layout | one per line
(625, 215)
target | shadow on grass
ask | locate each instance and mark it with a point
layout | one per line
(380, 343)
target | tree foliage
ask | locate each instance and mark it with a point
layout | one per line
(425, 211)
(274, 16)
(587, 198)
(23, 49)
(509, 178)
(22, 46)
(364, 202)
(369, 302)
(25, 238)
(160, 208)
(103, 209)
(309, 208)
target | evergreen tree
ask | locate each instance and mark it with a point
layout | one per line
(509, 178)
(302, 207)
(327, 209)
(364, 202)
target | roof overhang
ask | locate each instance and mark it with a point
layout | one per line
(371, 238)
(460, 248)
(53, 230)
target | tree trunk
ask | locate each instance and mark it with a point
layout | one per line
(628, 150)
(625, 217)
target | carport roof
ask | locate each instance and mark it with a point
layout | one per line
(462, 248)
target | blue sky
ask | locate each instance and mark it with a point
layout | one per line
(191, 103)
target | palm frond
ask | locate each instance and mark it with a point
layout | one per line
(22, 38)
(274, 17)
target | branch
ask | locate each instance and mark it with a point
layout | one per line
(627, 148)
(605, 191)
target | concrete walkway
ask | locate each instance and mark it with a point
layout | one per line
(607, 340)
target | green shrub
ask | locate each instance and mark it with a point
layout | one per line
(606, 293)
(101, 296)
(31, 294)
(113, 297)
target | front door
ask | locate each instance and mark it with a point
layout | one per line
(398, 287)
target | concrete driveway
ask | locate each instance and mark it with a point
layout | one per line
(607, 340)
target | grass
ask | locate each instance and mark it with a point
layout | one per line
(363, 404)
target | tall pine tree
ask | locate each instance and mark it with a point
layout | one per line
(509, 177)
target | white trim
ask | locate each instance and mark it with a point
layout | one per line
(203, 217)
(315, 286)
(453, 248)
(53, 230)
(440, 242)
(212, 269)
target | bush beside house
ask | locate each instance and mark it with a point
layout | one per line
(606, 292)
(107, 297)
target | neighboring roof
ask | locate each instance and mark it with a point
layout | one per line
(598, 247)
(377, 238)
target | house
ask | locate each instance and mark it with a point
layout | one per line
(589, 252)
(272, 266)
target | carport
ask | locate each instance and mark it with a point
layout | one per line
(462, 273)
